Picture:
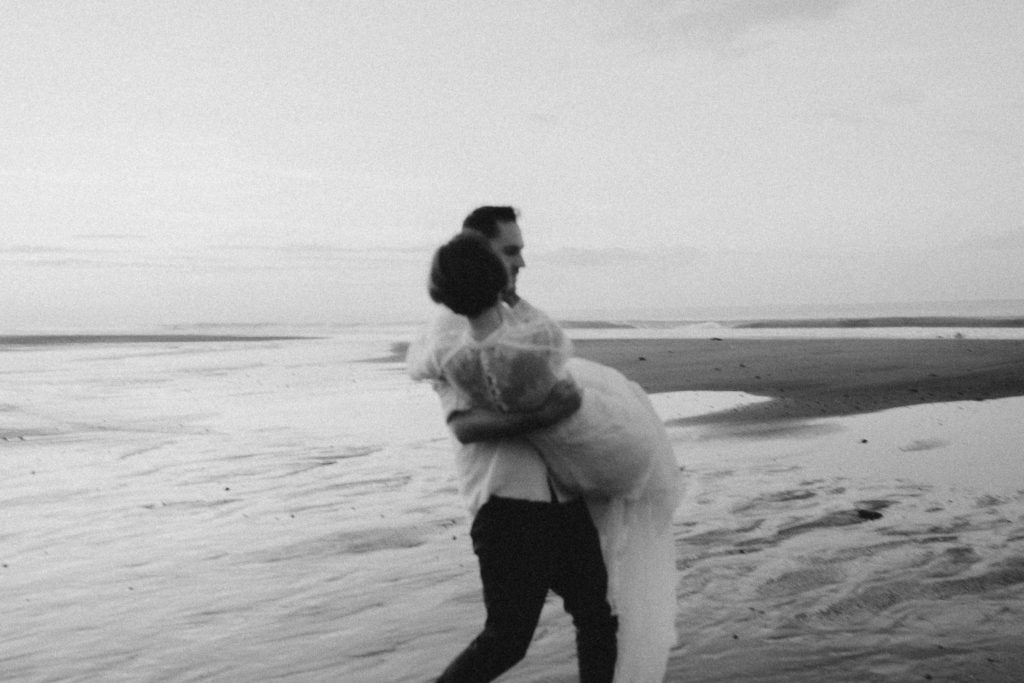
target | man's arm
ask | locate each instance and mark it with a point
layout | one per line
(477, 424)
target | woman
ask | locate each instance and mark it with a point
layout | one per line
(614, 450)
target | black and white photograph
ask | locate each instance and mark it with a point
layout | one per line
(539, 341)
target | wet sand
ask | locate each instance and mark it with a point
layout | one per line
(272, 510)
(860, 518)
(880, 547)
(820, 377)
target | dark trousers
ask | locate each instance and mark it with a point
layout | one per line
(525, 549)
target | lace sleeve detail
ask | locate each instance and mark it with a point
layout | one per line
(426, 354)
(499, 377)
(524, 363)
(519, 380)
(467, 371)
(513, 370)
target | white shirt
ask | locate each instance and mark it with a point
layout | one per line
(509, 467)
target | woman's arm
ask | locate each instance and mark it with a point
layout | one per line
(478, 424)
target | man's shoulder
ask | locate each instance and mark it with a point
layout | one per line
(525, 312)
(536, 330)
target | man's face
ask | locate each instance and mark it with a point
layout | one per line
(508, 244)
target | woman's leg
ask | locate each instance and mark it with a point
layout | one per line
(582, 580)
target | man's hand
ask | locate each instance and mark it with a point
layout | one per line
(478, 424)
(563, 401)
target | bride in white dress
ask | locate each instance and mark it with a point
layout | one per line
(613, 451)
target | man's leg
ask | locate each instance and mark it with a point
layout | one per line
(512, 541)
(582, 580)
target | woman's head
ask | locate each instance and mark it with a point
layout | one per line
(466, 275)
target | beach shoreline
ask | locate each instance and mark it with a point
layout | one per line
(812, 377)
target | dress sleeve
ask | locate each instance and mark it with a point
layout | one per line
(523, 364)
(420, 362)
(425, 357)
(451, 400)
(545, 331)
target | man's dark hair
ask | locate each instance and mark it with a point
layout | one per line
(485, 219)
(466, 275)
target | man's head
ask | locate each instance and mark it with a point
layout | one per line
(498, 225)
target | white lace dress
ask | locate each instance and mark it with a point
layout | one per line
(614, 451)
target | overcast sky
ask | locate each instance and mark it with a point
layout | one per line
(177, 162)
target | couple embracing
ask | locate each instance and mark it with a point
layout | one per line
(564, 464)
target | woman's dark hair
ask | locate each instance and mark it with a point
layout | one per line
(466, 275)
(485, 219)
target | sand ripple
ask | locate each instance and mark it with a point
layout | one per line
(273, 511)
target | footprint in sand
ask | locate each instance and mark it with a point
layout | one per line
(867, 511)
(770, 499)
(881, 596)
(801, 580)
(952, 561)
(923, 445)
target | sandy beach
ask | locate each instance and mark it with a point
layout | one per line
(797, 224)
(285, 509)
(821, 377)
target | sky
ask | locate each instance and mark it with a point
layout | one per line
(298, 162)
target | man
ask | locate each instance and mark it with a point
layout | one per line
(529, 536)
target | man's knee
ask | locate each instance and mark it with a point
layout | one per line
(510, 645)
(597, 627)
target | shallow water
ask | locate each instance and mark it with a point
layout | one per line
(278, 511)
(879, 547)
(224, 511)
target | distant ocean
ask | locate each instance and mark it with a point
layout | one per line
(977, 319)
(921, 310)
(990, 319)
(995, 314)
